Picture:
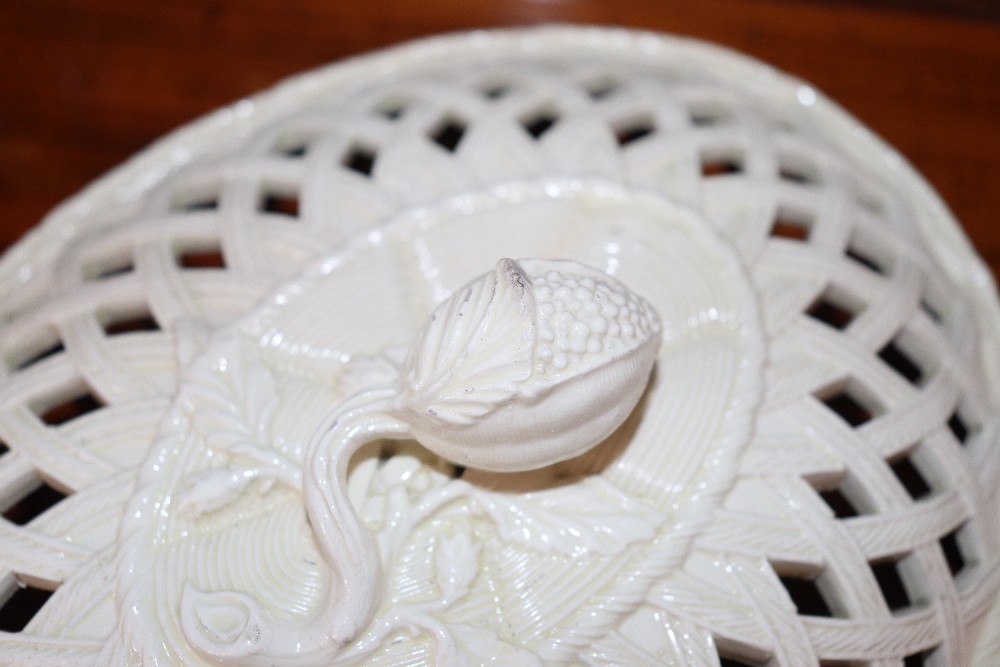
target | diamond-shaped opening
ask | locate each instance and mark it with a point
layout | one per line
(835, 308)
(707, 115)
(843, 495)
(25, 602)
(602, 88)
(360, 158)
(891, 584)
(80, 403)
(292, 148)
(279, 202)
(129, 322)
(791, 224)
(46, 345)
(202, 257)
(195, 200)
(897, 359)
(851, 401)
(958, 427)
(790, 230)
(539, 122)
(391, 108)
(931, 311)
(33, 503)
(448, 133)
(495, 90)
(630, 130)
(3, 448)
(849, 409)
(721, 163)
(868, 249)
(839, 503)
(922, 659)
(798, 171)
(861, 258)
(108, 267)
(908, 474)
(112, 272)
(952, 549)
(807, 597)
(294, 152)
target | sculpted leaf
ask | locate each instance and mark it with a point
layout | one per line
(457, 561)
(589, 517)
(235, 400)
(213, 489)
(470, 356)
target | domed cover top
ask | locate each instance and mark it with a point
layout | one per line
(345, 374)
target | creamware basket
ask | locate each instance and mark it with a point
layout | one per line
(807, 476)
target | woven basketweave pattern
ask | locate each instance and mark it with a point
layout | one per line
(862, 527)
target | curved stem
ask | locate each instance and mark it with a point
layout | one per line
(347, 545)
(413, 617)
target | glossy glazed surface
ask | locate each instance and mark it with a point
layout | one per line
(824, 326)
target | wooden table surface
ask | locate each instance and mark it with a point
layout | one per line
(86, 83)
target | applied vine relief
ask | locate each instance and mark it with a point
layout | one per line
(531, 364)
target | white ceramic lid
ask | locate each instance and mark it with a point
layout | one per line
(809, 477)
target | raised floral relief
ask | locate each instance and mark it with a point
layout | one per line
(215, 514)
(539, 341)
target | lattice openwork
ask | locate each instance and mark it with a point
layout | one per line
(862, 528)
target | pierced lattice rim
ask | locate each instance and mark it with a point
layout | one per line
(23, 269)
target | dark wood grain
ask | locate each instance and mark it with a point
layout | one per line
(973, 9)
(86, 83)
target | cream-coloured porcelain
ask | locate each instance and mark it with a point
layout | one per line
(494, 331)
(527, 366)
(820, 422)
(533, 364)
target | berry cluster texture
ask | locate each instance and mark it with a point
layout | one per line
(580, 318)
